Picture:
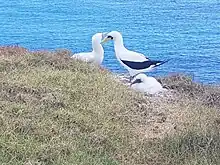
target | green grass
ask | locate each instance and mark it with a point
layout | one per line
(55, 110)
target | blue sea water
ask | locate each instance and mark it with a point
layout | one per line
(185, 31)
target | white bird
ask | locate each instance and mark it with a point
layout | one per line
(145, 84)
(97, 54)
(134, 62)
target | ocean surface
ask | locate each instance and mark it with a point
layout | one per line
(185, 31)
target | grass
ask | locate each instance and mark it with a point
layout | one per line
(55, 110)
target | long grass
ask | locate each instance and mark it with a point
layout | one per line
(55, 110)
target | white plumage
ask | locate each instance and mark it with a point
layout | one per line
(145, 84)
(132, 61)
(97, 54)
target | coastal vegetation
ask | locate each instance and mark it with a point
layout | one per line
(56, 110)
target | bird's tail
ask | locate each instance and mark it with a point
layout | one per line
(158, 63)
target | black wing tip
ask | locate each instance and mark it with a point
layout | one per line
(167, 60)
(162, 62)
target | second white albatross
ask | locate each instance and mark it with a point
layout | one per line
(143, 83)
(134, 62)
(97, 54)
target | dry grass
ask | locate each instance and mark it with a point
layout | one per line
(206, 94)
(54, 110)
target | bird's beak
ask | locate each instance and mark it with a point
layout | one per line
(104, 34)
(105, 40)
(135, 81)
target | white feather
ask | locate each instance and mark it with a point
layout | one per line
(127, 55)
(148, 84)
(97, 54)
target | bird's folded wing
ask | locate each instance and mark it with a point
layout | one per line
(132, 56)
(141, 65)
(86, 57)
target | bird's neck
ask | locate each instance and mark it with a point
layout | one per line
(97, 47)
(119, 44)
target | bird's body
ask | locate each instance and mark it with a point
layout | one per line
(145, 84)
(97, 54)
(134, 62)
(89, 57)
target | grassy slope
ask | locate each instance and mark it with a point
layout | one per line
(54, 110)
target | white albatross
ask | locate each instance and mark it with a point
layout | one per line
(134, 62)
(97, 54)
(143, 83)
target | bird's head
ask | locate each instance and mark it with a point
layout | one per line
(139, 78)
(98, 37)
(113, 35)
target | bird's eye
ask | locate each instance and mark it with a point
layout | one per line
(110, 37)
